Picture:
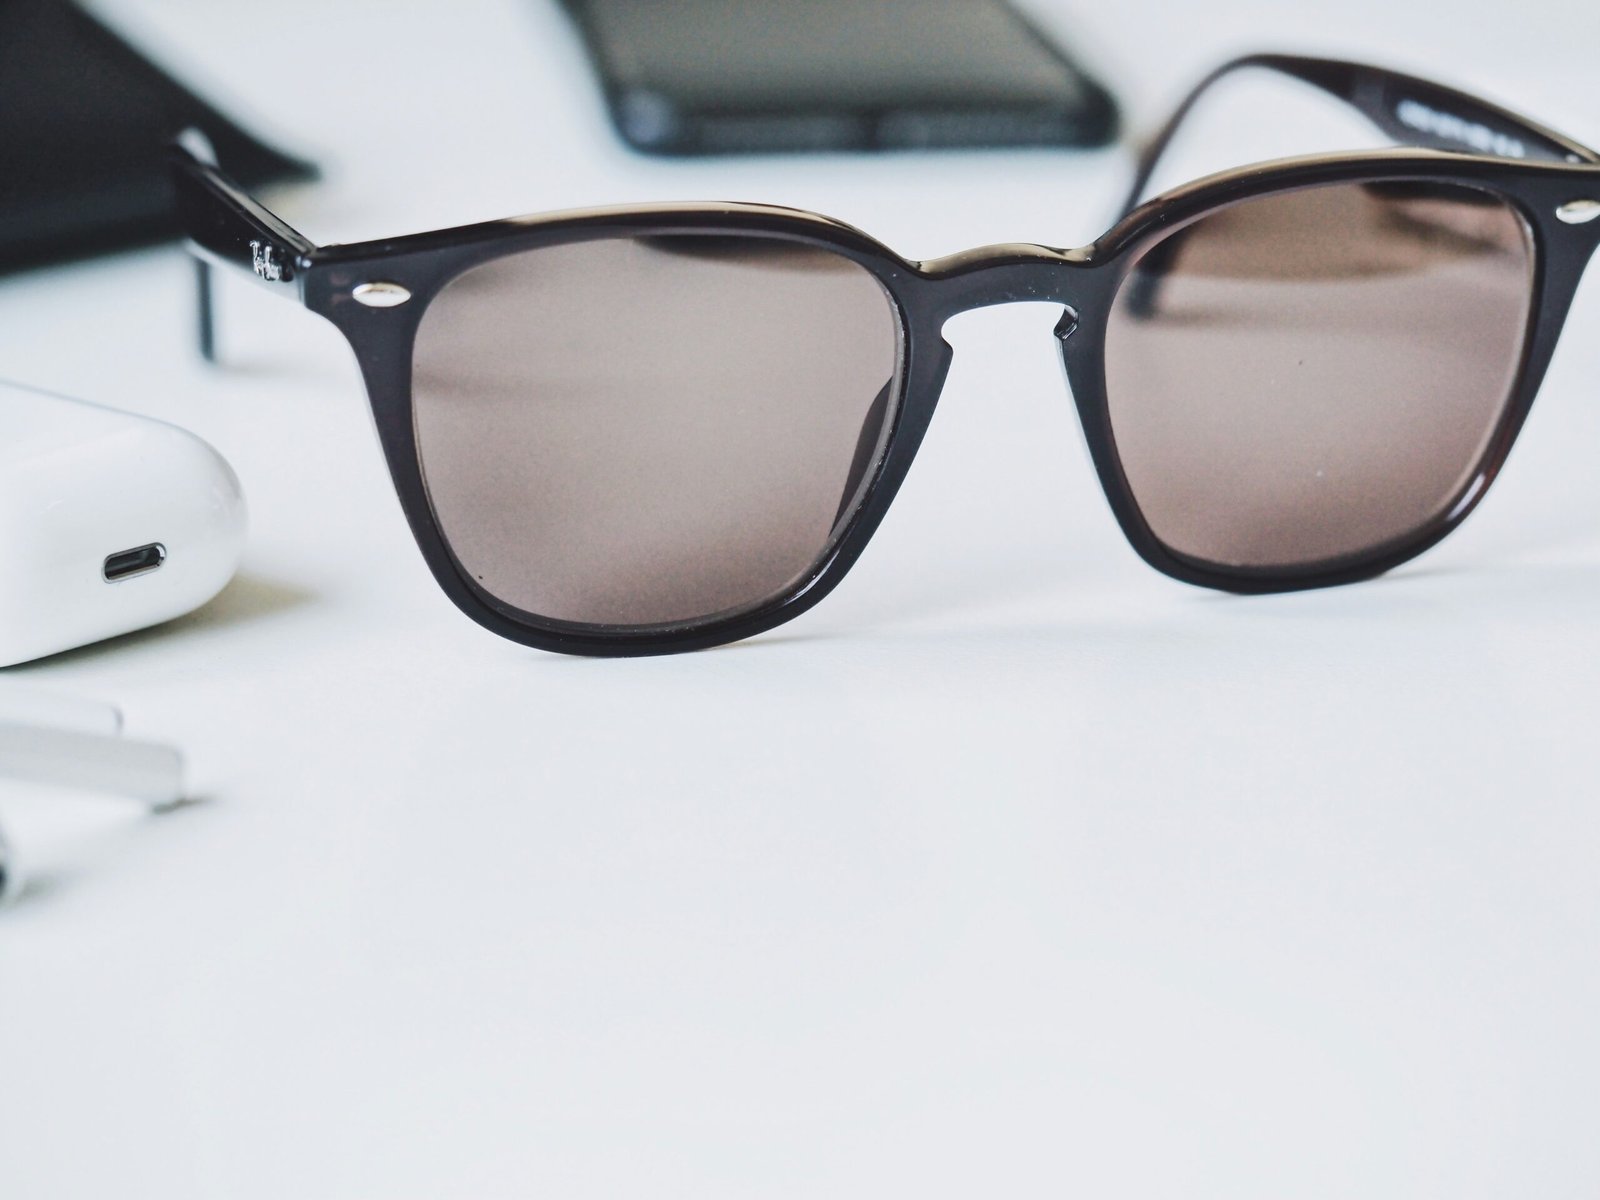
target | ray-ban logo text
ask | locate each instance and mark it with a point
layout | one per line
(264, 257)
(1450, 128)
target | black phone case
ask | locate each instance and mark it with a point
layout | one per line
(84, 125)
(688, 77)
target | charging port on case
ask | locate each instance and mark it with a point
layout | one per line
(141, 560)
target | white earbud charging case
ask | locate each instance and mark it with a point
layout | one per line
(109, 523)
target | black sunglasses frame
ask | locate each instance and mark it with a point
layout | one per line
(1550, 180)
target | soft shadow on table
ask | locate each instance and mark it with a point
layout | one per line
(1417, 595)
(1419, 590)
(871, 611)
(247, 599)
(1547, 590)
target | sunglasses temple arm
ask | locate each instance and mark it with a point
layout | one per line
(226, 227)
(1408, 110)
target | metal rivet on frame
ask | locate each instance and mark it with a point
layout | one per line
(380, 295)
(1578, 212)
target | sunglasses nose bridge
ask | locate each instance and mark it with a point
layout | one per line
(1008, 274)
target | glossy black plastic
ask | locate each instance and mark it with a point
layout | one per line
(1467, 142)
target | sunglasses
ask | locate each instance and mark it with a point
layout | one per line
(647, 430)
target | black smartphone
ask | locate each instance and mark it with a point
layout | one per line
(731, 76)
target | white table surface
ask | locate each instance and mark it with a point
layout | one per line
(1014, 869)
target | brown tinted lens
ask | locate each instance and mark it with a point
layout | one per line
(1309, 376)
(656, 430)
